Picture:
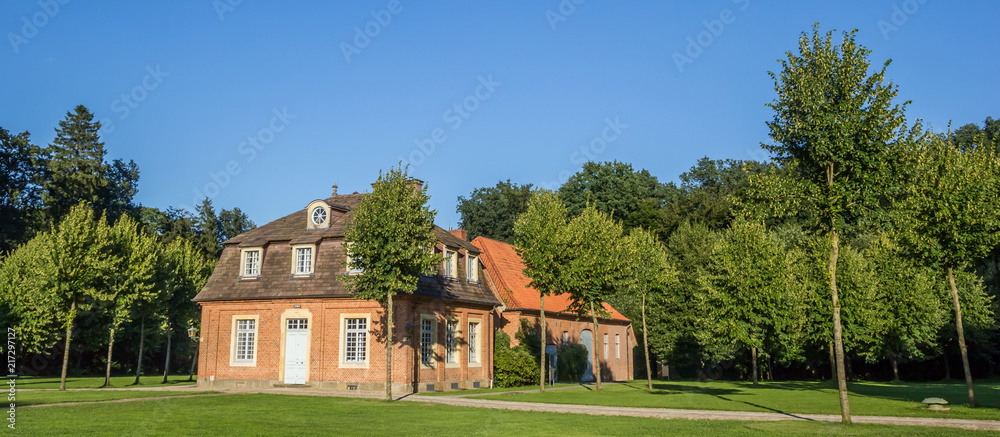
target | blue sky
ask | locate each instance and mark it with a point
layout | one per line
(264, 105)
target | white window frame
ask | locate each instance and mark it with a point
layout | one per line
(235, 340)
(428, 340)
(450, 263)
(344, 331)
(618, 347)
(605, 345)
(451, 339)
(474, 339)
(351, 270)
(295, 259)
(472, 268)
(245, 256)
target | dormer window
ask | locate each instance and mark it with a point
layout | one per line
(472, 270)
(250, 263)
(303, 259)
(319, 216)
(450, 263)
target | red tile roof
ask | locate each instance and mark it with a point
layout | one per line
(511, 285)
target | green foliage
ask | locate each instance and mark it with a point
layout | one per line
(527, 338)
(21, 171)
(512, 367)
(612, 188)
(208, 233)
(233, 222)
(132, 267)
(571, 362)
(492, 211)
(593, 268)
(538, 241)
(391, 231)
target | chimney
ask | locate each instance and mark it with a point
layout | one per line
(460, 233)
(334, 190)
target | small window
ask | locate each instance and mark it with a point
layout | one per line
(565, 337)
(297, 324)
(450, 343)
(251, 263)
(356, 340)
(427, 341)
(473, 342)
(618, 347)
(319, 216)
(472, 270)
(351, 267)
(303, 260)
(246, 333)
(605, 346)
(450, 263)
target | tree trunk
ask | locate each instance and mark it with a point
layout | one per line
(947, 367)
(388, 350)
(166, 363)
(961, 337)
(645, 346)
(69, 338)
(597, 361)
(541, 360)
(895, 368)
(107, 373)
(142, 338)
(838, 333)
(194, 361)
(753, 353)
(833, 363)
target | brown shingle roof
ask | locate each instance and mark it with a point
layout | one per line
(276, 281)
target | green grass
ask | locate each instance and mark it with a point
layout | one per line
(866, 398)
(477, 391)
(258, 414)
(98, 381)
(25, 398)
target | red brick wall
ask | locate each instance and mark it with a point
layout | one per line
(614, 367)
(325, 341)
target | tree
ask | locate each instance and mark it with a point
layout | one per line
(21, 171)
(592, 269)
(650, 271)
(391, 230)
(708, 191)
(130, 278)
(837, 126)
(537, 233)
(749, 280)
(76, 165)
(28, 303)
(77, 259)
(492, 211)
(233, 222)
(948, 216)
(185, 270)
(207, 230)
(611, 187)
(908, 305)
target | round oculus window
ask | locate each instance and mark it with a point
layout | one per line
(319, 216)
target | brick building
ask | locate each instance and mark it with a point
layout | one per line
(274, 313)
(505, 274)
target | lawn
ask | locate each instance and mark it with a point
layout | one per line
(39, 397)
(867, 398)
(478, 391)
(98, 381)
(259, 414)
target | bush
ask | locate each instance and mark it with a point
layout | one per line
(571, 362)
(512, 367)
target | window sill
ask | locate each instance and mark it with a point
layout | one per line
(248, 278)
(475, 364)
(243, 364)
(344, 365)
(301, 276)
(452, 365)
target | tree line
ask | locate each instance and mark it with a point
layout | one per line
(865, 239)
(84, 267)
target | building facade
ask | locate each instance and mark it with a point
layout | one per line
(275, 314)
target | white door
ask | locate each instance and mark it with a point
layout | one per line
(296, 336)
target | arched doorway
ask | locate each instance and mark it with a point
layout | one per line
(587, 339)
